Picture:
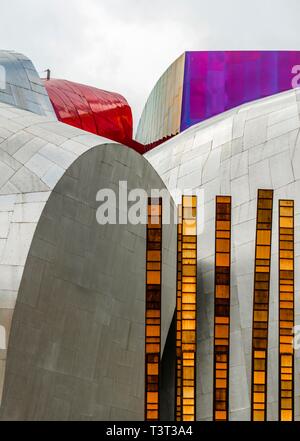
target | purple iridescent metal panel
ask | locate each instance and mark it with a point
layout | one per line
(218, 81)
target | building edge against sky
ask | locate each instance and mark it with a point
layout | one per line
(202, 84)
(161, 117)
(55, 287)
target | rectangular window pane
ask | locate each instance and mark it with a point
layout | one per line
(153, 309)
(261, 304)
(286, 310)
(222, 307)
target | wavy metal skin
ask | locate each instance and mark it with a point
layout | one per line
(221, 80)
(161, 116)
(72, 291)
(97, 111)
(255, 146)
(202, 84)
(21, 86)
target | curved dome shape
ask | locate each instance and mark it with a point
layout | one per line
(253, 146)
(21, 86)
(94, 110)
(72, 291)
(201, 84)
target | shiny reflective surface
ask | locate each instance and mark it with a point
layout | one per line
(72, 292)
(161, 116)
(20, 84)
(286, 310)
(97, 111)
(218, 81)
(250, 147)
(213, 82)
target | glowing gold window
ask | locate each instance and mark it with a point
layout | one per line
(261, 305)
(222, 307)
(286, 310)
(188, 307)
(178, 373)
(153, 309)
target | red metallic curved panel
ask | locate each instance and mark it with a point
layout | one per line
(104, 113)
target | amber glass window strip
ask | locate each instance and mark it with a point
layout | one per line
(153, 309)
(261, 305)
(178, 373)
(222, 308)
(189, 306)
(286, 310)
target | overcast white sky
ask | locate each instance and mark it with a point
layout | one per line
(125, 45)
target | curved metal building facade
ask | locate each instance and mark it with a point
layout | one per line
(253, 147)
(202, 84)
(97, 111)
(98, 321)
(64, 275)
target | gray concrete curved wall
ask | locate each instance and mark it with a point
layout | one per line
(72, 291)
(21, 86)
(254, 146)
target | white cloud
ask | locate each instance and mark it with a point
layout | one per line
(125, 45)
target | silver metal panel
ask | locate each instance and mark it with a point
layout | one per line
(21, 86)
(253, 146)
(72, 292)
